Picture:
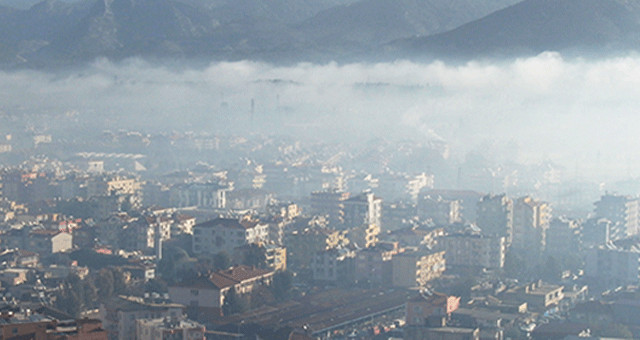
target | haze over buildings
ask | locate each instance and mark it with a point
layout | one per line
(347, 169)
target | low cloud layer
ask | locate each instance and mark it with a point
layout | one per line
(580, 113)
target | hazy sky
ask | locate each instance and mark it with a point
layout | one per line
(570, 111)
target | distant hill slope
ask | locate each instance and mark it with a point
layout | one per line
(58, 33)
(534, 26)
(377, 21)
(282, 11)
(121, 28)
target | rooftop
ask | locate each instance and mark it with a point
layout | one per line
(134, 303)
(228, 223)
(225, 278)
(171, 323)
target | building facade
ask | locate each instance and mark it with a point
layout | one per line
(225, 234)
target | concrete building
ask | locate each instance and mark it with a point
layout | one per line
(596, 232)
(225, 234)
(30, 324)
(145, 233)
(365, 208)
(46, 242)
(374, 266)
(563, 237)
(329, 203)
(494, 216)
(254, 199)
(428, 315)
(428, 308)
(286, 211)
(539, 296)
(112, 185)
(622, 211)
(169, 329)
(439, 210)
(334, 266)
(413, 268)
(274, 256)
(365, 235)
(120, 314)
(206, 293)
(80, 329)
(468, 201)
(398, 213)
(531, 220)
(13, 276)
(612, 266)
(182, 224)
(206, 195)
(399, 186)
(301, 246)
(416, 235)
(474, 251)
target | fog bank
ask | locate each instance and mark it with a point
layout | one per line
(580, 113)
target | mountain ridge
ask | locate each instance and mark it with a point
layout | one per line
(535, 26)
(53, 33)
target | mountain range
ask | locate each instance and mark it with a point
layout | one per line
(54, 33)
(534, 26)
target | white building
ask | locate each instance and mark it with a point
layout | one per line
(612, 265)
(363, 209)
(334, 265)
(208, 292)
(475, 250)
(210, 195)
(225, 234)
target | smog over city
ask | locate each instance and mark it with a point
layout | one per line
(318, 169)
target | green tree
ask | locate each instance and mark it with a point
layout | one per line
(90, 292)
(234, 303)
(281, 285)
(221, 260)
(119, 280)
(69, 302)
(156, 285)
(75, 295)
(105, 284)
(260, 296)
(255, 256)
(173, 260)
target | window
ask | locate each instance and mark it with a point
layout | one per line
(194, 292)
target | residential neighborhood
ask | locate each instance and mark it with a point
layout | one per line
(310, 246)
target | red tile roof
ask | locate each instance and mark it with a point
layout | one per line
(225, 278)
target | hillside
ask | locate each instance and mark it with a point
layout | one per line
(534, 26)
